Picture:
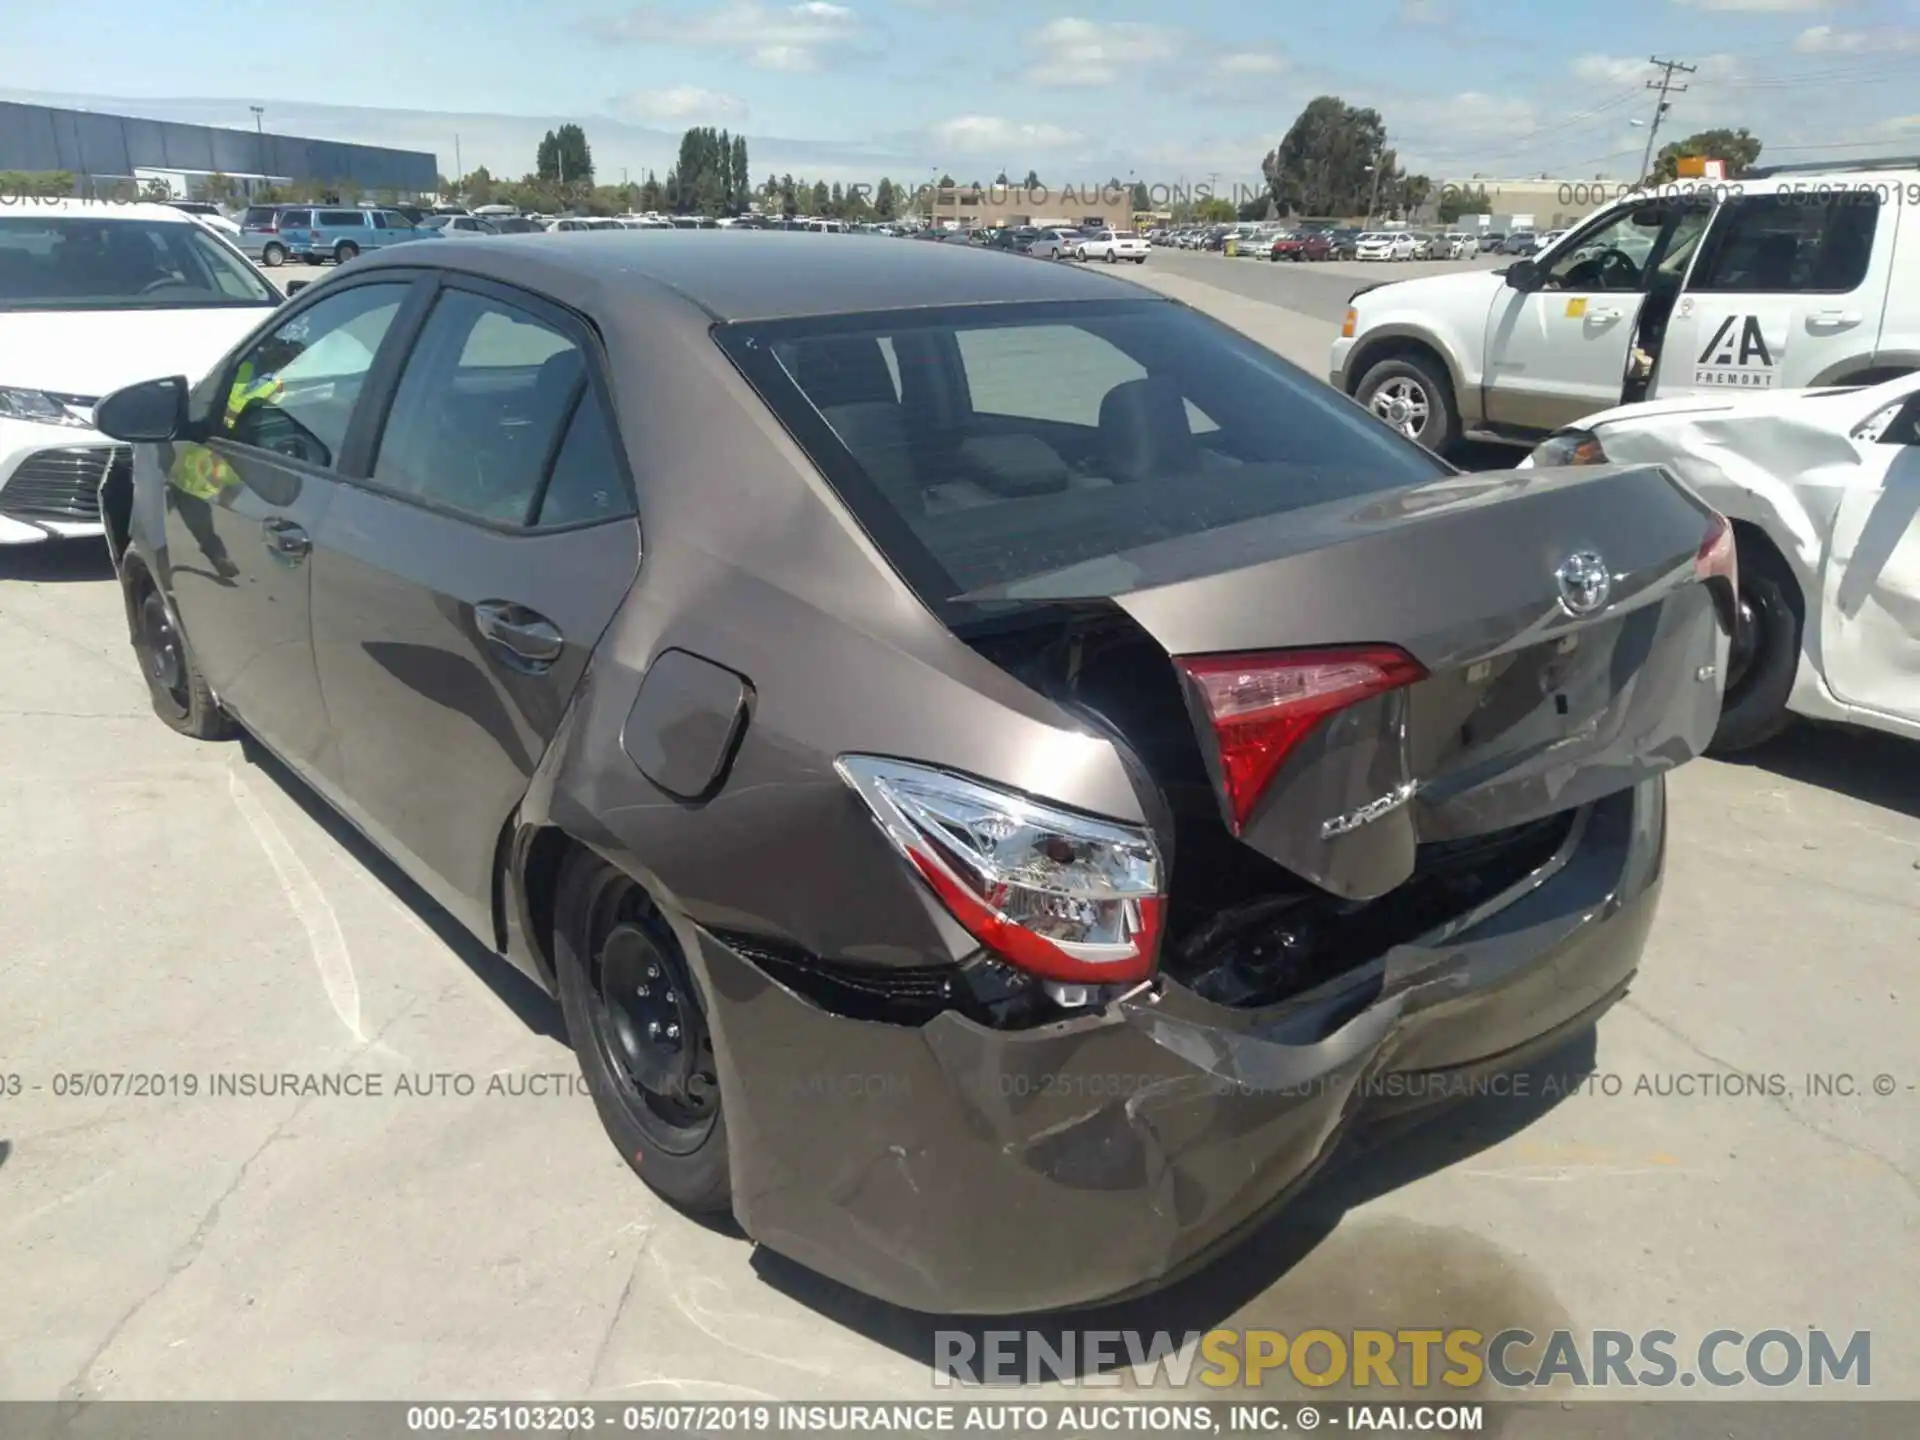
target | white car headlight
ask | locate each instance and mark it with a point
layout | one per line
(1569, 447)
(38, 407)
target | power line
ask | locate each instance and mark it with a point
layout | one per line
(1665, 86)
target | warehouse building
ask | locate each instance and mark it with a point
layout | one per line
(99, 149)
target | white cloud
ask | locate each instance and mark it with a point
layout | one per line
(1079, 54)
(1760, 7)
(987, 134)
(1254, 62)
(1424, 12)
(1825, 40)
(1610, 70)
(797, 37)
(680, 103)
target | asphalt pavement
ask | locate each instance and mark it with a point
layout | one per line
(1737, 1147)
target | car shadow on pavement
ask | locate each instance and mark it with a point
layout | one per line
(1375, 1160)
(530, 1004)
(1865, 765)
(57, 561)
(6, 1151)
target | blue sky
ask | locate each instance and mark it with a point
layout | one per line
(1077, 91)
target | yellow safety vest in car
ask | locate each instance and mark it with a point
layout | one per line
(197, 470)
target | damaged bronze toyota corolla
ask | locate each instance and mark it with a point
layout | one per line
(967, 742)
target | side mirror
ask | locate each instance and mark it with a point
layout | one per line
(1523, 274)
(150, 413)
(294, 287)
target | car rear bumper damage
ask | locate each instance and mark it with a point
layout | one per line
(952, 1168)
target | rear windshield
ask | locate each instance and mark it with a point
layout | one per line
(991, 446)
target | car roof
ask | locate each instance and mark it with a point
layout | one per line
(99, 210)
(764, 275)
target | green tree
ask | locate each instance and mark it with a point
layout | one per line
(478, 187)
(564, 156)
(1738, 148)
(1466, 199)
(220, 189)
(651, 195)
(789, 197)
(742, 176)
(886, 202)
(1323, 166)
(822, 197)
(1216, 210)
(156, 190)
(1032, 182)
(947, 181)
(1142, 199)
(36, 184)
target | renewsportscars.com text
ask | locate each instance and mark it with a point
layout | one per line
(1379, 1359)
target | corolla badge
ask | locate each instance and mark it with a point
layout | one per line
(1584, 583)
(1368, 813)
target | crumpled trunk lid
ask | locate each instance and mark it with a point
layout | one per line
(1539, 695)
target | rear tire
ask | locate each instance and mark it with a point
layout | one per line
(637, 1021)
(180, 694)
(1765, 658)
(344, 251)
(274, 256)
(1411, 393)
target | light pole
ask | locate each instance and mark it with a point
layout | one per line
(260, 142)
(1373, 200)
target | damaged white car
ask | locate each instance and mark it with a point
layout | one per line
(1823, 488)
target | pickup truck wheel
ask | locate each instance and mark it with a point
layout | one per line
(1764, 656)
(1409, 395)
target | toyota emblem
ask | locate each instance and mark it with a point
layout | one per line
(1584, 583)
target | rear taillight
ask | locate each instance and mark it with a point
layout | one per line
(1716, 563)
(1263, 705)
(1715, 560)
(1063, 896)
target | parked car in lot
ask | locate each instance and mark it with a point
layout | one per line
(1385, 245)
(1299, 245)
(207, 213)
(91, 295)
(1796, 282)
(1457, 245)
(1491, 240)
(260, 237)
(893, 787)
(1055, 244)
(1823, 489)
(319, 233)
(1520, 242)
(459, 227)
(1111, 246)
(1345, 242)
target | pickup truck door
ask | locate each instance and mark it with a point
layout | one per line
(1557, 350)
(1870, 615)
(1788, 292)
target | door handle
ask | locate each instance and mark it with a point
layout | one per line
(1605, 317)
(1834, 317)
(286, 540)
(527, 640)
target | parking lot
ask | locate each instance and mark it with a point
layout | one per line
(1738, 1150)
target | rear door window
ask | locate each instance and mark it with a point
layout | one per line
(1790, 244)
(482, 407)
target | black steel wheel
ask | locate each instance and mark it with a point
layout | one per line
(1764, 655)
(180, 694)
(638, 1024)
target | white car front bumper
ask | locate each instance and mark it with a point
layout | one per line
(50, 480)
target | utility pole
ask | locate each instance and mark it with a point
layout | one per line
(1666, 87)
(459, 173)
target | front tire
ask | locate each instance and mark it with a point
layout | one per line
(274, 256)
(1764, 657)
(344, 251)
(638, 1024)
(180, 694)
(1409, 393)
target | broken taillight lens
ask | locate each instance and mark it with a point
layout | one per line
(1263, 705)
(1062, 896)
(1717, 563)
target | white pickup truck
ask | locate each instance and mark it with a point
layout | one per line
(1768, 282)
(1112, 245)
